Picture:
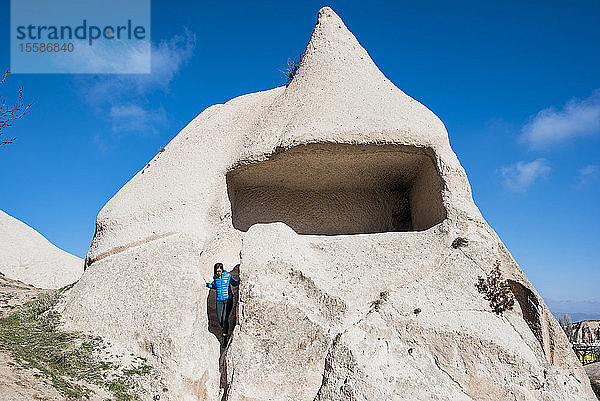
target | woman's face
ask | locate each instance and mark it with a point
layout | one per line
(219, 272)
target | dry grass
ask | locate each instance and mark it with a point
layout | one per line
(71, 361)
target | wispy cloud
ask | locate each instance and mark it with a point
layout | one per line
(520, 176)
(168, 57)
(579, 117)
(118, 56)
(124, 98)
(133, 118)
(588, 174)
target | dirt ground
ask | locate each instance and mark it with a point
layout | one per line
(19, 384)
(16, 382)
(14, 293)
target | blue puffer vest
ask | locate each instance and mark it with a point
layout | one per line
(221, 284)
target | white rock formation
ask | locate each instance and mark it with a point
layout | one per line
(342, 200)
(27, 256)
(586, 331)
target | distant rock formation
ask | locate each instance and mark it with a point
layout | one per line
(360, 251)
(586, 331)
(27, 256)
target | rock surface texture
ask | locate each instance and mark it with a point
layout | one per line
(586, 331)
(359, 246)
(593, 372)
(27, 256)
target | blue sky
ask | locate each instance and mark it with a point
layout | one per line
(516, 84)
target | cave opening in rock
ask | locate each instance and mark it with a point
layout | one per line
(530, 308)
(334, 189)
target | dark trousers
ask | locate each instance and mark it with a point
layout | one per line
(223, 311)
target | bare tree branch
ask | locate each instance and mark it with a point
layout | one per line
(289, 72)
(11, 112)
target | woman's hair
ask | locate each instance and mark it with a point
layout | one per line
(218, 266)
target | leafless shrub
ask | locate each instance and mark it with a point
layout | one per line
(289, 72)
(10, 112)
(496, 290)
(567, 325)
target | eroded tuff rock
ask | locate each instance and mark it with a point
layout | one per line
(340, 197)
(586, 331)
(382, 320)
(27, 256)
(593, 372)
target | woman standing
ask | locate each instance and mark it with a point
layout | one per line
(222, 282)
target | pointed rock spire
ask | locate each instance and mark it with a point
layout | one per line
(334, 56)
(338, 91)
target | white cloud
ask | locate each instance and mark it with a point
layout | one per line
(168, 56)
(133, 118)
(520, 176)
(551, 127)
(588, 174)
(123, 57)
(124, 98)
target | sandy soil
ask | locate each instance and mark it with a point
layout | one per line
(19, 384)
(16, 382)
(14, 293)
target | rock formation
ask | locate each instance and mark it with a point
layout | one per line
(586, 331)
(593, 372)
(27, 256)
(359, 245)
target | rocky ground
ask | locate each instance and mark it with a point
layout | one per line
(16, 382)
(40, 343)
(14, 293)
